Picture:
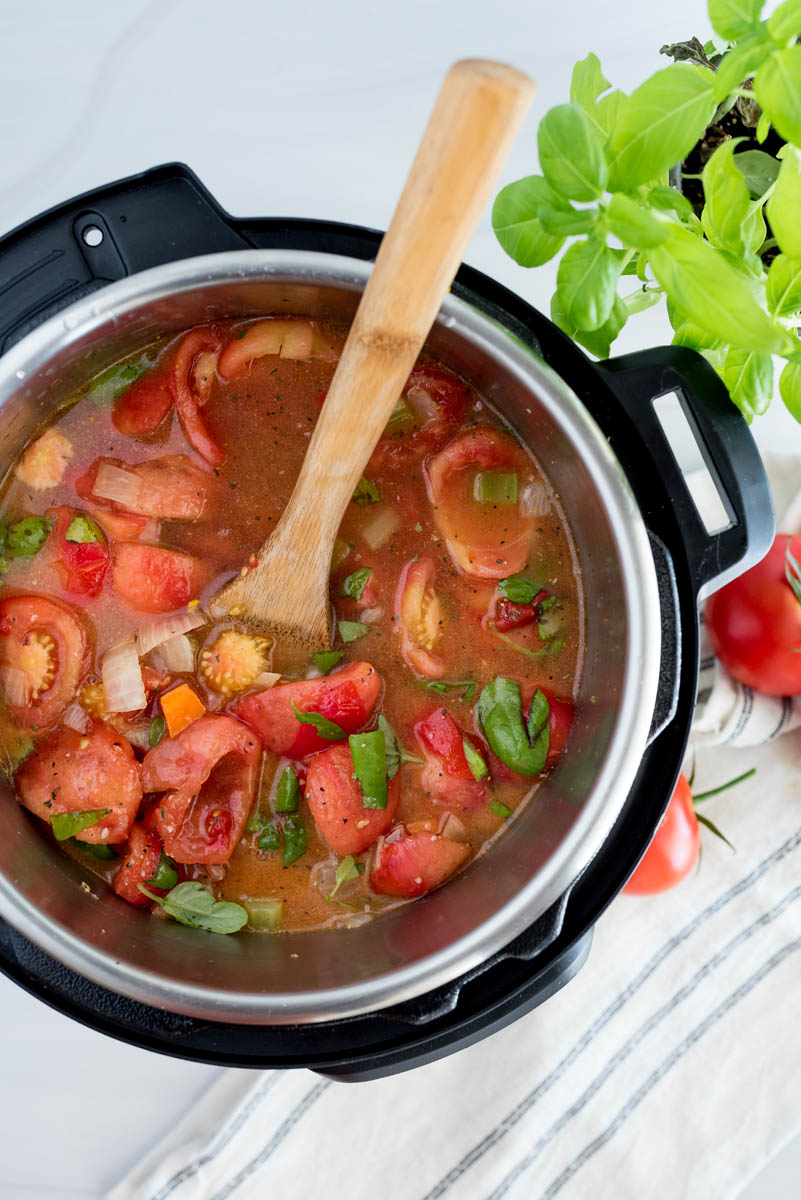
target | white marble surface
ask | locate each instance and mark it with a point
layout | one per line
(302, 108)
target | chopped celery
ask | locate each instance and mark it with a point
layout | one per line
(341, 551)
(495, 487)
(263, 913)
(400, 418)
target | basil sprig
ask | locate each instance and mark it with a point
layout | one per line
(521, 747)
(368, 751)
(325, 728)
(66, 825)
(191, 904)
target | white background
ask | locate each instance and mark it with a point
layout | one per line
(304, 108)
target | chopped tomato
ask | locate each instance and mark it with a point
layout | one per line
(170, 487)
(210, 773)
(449, 393)
(71, 772)
(438, 400)
(139, 864)
(203, 373)
(347, 697)
(144, 405)
(335, 800)
(509, 615)
(124, 527)
(45, 640)
(152, 579)
(81, 565)
(419, 615)
(446, 776)
(485, 539)
(181, 377)
(415, 863)
(289, 338)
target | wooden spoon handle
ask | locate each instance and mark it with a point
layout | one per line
(478, 111)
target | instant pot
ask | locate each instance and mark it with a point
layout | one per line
(87, 282)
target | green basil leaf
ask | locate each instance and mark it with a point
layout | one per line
(700, 281)
(295, 840)
(270, 838)
(327, 659)
(599, 341)
(66, 825)
(739, 63)
(500, 715)
(500, 809)
(749, 379)
(567, 221)
(784, 25)
(587, 83)
(674, 205)
(351, 631)
(733, 18)
(395, 754)
(24, 538)
(97, 850)
(695, 338)
(607, 111)
(165, 875)
(520, 589)
(586, 281)
(644, 298)
(111, 383)
(348, 868)
(783, 289)
(777, 85)
(784, 205)
(354, 584)
(158, 727)
(634, 224)
(726, 219)
(759, 170)
(287, 794)
(571, 153)
(193, 905)
(658, 125)
(83, 530)
(518, 227)
(444, 685)
(368, 751)
(559, 316)
(475, 761)
(325, 728)
(366, 492)
(790, 388)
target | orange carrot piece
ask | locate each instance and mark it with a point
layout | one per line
(181, 706)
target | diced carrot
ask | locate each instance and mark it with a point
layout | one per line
(181, 706)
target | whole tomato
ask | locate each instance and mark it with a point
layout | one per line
(754, 622)
(674, 849)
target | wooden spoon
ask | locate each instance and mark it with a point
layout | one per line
(478, 111)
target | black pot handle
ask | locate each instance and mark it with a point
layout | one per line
(727, 448)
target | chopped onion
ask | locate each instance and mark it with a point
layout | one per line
(381, 528)
(178, 654)
(155, 632)
(421, 403)
(322, 876)
(371, 616)
(122, 679)
(76, 718)
(535, 500)
(139, 737)
(394, 835)
(454, 829)
(113, 483)
(266, 679)
(15, 686)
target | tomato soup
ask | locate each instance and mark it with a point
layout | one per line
(167, 751)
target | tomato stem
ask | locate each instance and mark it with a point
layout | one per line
(723, 787)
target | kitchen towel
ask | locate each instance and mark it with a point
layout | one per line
(668, 1068)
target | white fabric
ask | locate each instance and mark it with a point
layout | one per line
(667, 1069)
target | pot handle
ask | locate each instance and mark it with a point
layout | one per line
(94, 239)
(726, 446)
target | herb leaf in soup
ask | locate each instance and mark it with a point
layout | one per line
(83, 530)
(66, 825)
(191, 904)
(287, 796)
(270, 838)
(394, 752)
(24, 538)
(353, 585)
(111, 383)
(158, 727)
(327, 659)
(347, 869)
(351, 631)
(475, 761)
(368, 751)
(165, 875)
(520, 589)
(325, 728)
(295, 840)
(522, 748)
(366, 492)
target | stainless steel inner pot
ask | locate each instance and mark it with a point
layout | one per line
(291, 978)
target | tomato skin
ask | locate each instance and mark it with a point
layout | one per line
(172, 487)
(145, 404)
(415, 864)
(71, 772)
(508, 615)
(82, 565)
(181, 378)
(27, 618)
(210, 773)
(139, 864)
(754, 624)
(674, 849)
(335, 801)
(446, 776)
(152, 579)
(418, 615)
(347, 697)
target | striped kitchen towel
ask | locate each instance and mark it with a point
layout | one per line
(667, 1069)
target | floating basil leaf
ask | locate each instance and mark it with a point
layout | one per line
(158, 727)
(395, 754)
(368, 751)
(353, 585)
(325, 728)
(346, 870)
(475, 761)
(83, 530)
(444, 685)
(115, 380)
(97, 850)
(287, 795)
(500, 809)
(165, 875)
(270, 838)
(66, 825)
(326, 659)
(366, 492)
(295, 840)
(520, 589)
(351, 631)
(24, 538)
(193, 905)
(500, 713)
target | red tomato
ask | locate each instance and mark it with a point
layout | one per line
(448, 392)
(418, 614)
(124, 527)
(440, 399)
(416, 863)
(508, 615)
(487, 541)
(144, 405)
(182, 378)
(171, 487)
(674, 849)
(71, 772)
(560, 720)
(139, 864)
(81, 565)
(335, 800)
(46, 641)
(446, 776)
(754, 623)
(347, 698)
(152, 579)
(210, 772)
